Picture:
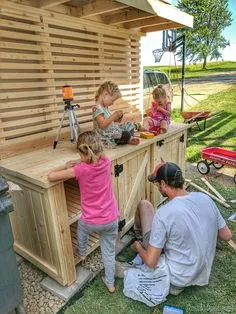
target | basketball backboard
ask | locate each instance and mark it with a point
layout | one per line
(169, 36)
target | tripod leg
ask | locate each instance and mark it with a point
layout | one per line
(59, 130)
(71, 120)
(75, 125)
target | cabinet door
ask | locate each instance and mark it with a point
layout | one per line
(131, 172)
(41, 231)
(171, 149)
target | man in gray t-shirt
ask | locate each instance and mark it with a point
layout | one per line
(186, 228)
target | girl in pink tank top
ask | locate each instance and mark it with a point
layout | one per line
(100, 212)
(158, 116)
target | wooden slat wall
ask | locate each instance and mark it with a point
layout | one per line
(40, 53)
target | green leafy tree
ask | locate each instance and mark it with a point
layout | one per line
(205, 39)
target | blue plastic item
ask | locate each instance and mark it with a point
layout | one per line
(168, 309)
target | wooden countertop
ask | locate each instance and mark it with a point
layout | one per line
(34, 166)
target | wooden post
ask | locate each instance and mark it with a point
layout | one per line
(232, 244)
(213, 190)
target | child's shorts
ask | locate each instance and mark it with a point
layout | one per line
(154, 125)
(157, 123)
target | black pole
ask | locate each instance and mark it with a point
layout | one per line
(183, 74)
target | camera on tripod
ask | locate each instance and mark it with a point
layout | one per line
(68, 97)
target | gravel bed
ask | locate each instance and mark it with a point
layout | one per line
(94, 261)
(39, 301)
(36, 299)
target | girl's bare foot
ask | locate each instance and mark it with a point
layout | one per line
(111, 289)
(163, 130)
(134, 141)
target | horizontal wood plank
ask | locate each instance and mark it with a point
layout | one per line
(41, 52)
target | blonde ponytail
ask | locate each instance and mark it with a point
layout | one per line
(89, 145)
(87, 151)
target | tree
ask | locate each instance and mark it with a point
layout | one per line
(205, 39)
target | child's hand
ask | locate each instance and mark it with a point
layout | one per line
(121, 117)
(160, 108)
(135, 246)
(117, 115)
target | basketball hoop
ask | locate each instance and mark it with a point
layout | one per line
(158, 53)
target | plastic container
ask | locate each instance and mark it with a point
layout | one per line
(10, 288)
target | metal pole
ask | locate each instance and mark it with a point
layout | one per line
(183, 74)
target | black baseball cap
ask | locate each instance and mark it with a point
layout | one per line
(167, 171)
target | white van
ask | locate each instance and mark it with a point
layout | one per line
(152, 78)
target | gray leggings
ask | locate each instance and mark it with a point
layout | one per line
(108, 234)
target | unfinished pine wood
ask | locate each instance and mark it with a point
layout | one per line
(56, 202)
(46, 213)
(93, 243)
(72, 200)
(34, 231)
(171, 149)
(132, 181)
(40, 53)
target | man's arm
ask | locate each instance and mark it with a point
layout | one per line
(150, 256)
(225, 234)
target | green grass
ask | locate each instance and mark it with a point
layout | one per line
(217, 297)
(220, 129)
(196, 70)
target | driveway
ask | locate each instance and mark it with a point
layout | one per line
(198, 89)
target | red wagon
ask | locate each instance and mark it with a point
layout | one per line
(218, 157)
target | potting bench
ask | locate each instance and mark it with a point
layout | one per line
(44, 46)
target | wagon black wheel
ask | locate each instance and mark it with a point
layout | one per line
(217, 165)
(235, 178)
(203, 167)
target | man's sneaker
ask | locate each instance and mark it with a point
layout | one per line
(175, 290)
(121, 267)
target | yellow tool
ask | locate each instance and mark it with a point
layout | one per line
(146, 135)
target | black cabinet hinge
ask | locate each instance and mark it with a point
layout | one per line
(118, 170)
(160, 143)
(181, 139)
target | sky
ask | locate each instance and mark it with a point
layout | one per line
(153, 41)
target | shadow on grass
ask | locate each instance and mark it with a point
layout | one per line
(214, 124)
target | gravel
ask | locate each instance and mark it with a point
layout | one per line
(39, 301)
